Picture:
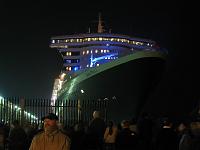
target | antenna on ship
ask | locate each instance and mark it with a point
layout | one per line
(100, 26)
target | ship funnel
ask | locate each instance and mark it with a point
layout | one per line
(100, 26)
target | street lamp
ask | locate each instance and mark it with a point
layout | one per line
(82, 91)
(79, 106)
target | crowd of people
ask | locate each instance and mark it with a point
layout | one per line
(144, 133)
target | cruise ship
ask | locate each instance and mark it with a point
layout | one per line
(108, 66)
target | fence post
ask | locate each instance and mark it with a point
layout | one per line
(79, 110)
(22, 105)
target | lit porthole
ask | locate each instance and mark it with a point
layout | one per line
(96, 51)
(104, 51)
(101, 51)
(107, 44)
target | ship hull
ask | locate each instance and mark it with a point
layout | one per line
(125, 86)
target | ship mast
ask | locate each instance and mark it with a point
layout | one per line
(100, 26)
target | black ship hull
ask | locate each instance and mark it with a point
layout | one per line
(125, 86)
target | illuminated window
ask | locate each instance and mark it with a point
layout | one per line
(97, 65)
(87, 51)
(75, 68)
(68, 53)
(83, 52)
(53, 41)
(104, 51)
(101, 51)
(96, 51)
(68, 61)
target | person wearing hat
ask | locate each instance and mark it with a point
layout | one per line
(51, 138)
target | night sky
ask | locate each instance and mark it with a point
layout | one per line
(28, 66)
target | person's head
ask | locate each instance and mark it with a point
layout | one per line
(125, 124)
(50, 121)
(182, 126)
(110, 124)
(167, 122)
(96, 114)
(15, 123)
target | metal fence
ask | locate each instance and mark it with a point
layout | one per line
(68, 111)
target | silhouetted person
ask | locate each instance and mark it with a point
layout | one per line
(96, 131)
(195, 135)
(126, 139)
(144, 128)
(184, 135)
(2, 137)
(77, 137)
(167, 138)
(110, 136)
(17, 139)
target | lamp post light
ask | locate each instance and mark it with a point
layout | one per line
(82, 91)
(79, 105)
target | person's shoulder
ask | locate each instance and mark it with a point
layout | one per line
(62, 133)
(64, 136)
(39, 134)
